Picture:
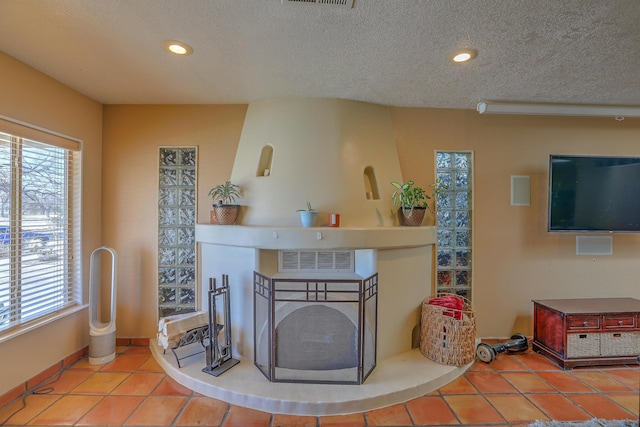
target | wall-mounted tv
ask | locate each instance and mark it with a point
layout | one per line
(594, 194)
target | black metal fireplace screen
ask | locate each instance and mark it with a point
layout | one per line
(315, 331)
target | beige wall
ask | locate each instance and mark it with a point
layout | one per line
(515, 259)
(32, 97)
(132, 135)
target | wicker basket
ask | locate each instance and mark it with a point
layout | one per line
(448, 336)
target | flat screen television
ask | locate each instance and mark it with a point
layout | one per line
(594, 194)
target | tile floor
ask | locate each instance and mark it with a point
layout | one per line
(515, 389)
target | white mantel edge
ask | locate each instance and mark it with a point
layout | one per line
(315, 238)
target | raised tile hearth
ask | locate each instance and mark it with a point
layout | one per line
(396, 379)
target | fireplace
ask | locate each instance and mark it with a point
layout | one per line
(315, 330)
(341, 156)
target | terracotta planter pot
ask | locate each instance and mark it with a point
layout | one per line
(412, 216)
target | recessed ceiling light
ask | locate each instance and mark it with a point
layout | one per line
(464, 55)
(177, 48)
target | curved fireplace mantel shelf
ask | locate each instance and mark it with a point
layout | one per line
(313, 238)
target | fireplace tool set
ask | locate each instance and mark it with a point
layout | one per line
(219, 357)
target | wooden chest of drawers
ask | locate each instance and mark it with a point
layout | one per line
(588, 331)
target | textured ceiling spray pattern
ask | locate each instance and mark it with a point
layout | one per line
(391, 53)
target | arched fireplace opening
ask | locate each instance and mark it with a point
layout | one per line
(316, 337)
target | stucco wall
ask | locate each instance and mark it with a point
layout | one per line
(29, 96)
(515, 259)
(132, 135)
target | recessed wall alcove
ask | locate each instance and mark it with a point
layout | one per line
(266, 161)
(371, 184)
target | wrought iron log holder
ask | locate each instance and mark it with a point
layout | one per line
(219, 356)
(192, 336)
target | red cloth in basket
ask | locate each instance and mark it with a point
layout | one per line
(455, 303)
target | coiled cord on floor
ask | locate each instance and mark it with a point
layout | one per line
(44, 388)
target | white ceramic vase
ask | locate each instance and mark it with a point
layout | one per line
(308, 218)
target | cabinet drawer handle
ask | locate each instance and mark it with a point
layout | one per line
(620, 322)
(585, 323)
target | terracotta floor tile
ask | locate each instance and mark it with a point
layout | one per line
(134, 390)
(558, 407)
(111, 411)
(150, 366)
(480, 366)
(527, 382)
(66, 410)
(600, 381)
(69, 380)
(45, 377)
(34, 404)
(629, 377)
(245, 417)
(138, 350)
(83, 364)
(489, 382)
(280, 420)
(537, 362)
(600, 406)
(505, 362)
(169, 387)
(393, 415)
(156, 411)
(140, 342)
(349, 420)
(125, 363)
(516, 408)
(139, 384)
(430, 411)
(474, 410)
(100, 383)
(629, 401)
(460, 385)
(203, 411)
(565, 382)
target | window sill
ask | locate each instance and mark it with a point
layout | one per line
(30, 326)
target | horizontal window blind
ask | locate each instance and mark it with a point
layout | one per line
(39, 227)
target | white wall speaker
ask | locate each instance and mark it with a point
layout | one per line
(594, 245)
(520, 190)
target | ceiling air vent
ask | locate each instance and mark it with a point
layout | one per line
(347, 4)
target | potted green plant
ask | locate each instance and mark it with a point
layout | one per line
(225, 211)
(413, 201)
(308, 216)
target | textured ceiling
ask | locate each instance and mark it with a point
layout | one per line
(392, 52)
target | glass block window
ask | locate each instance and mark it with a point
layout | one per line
(454, 215)
(176, 230)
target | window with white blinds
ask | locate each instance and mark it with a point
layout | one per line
(39, 225)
